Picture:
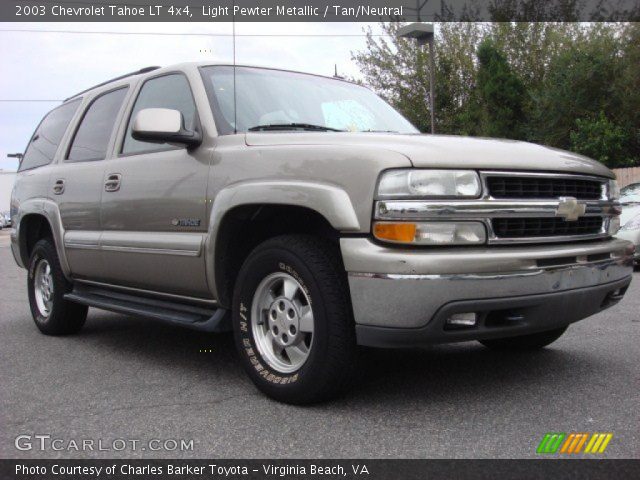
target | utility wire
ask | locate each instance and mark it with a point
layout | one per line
(195, 34)
(191, 34)
(28, 100)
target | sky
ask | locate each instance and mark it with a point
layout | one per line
(53, 66)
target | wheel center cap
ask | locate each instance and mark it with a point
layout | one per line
(284, 321)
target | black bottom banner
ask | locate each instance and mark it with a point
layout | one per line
(318, 469)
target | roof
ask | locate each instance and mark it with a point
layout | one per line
(120, 77)
(184, 65)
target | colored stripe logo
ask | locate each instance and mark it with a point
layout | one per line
(574, 443)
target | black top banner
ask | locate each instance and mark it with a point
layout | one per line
(318, 10)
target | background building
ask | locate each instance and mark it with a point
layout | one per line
(6, 185)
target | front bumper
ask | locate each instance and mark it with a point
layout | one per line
(404, 297)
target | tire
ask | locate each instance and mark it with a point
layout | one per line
(52, 314)
(534, 341)
(325, 342)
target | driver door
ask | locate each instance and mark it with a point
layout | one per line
(153, 210)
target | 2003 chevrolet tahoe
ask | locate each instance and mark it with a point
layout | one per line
(309, 216)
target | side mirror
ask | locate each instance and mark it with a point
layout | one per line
(163, 125)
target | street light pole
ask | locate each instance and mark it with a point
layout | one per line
(423, 33)
(432, 81)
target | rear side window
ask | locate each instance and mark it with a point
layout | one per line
(46, 139)
(169, 91)
(92, 137)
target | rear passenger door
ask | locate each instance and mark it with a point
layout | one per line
(77, 183)
(154, 219)
(41, 151)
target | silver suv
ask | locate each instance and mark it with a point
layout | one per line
(308, 216)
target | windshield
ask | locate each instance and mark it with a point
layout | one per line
(276, 98)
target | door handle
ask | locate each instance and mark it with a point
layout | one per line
(112, 184)
(58, 187)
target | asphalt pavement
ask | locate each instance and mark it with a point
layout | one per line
(133, 379)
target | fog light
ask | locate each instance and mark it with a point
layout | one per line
(466, 319)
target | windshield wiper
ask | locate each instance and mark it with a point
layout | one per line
(291, 126)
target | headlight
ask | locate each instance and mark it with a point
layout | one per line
(431, 233)
(633, 224)
(614, 190)
(429, 183)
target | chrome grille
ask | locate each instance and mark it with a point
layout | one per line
(545, 227)
(543, 187)
(521, 207)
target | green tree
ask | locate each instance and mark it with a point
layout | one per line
(529, 46)
(580, 82)
(601, 139)
(523, 80)
(627, 86)
(398, 69)
(501, 93)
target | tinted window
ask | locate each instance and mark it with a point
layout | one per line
(44, 143)
(92, 137)
(168, 91)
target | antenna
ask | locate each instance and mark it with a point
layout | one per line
(235, 104)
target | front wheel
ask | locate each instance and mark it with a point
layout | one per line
(292, 319)
(534, 341)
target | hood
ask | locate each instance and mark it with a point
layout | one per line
(446, 151)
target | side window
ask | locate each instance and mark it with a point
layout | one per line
(169, 91)
(46, 139)
(92, 137)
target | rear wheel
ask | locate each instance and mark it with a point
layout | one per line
(525, 342)
(292, 319)
(46, 287)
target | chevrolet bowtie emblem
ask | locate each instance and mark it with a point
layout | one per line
(570, 209)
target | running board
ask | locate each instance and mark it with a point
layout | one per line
(183, 314)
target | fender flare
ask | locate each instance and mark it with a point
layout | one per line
(330, 201)
(49, 210)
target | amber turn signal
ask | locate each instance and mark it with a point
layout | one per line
(395, 232)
